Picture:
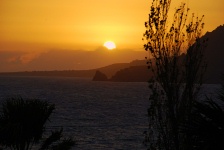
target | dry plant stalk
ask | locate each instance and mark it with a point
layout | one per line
(177, 77)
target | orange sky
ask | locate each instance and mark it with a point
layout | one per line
(85, 24)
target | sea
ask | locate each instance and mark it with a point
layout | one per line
(97, 115)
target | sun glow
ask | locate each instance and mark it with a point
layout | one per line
(109, 45)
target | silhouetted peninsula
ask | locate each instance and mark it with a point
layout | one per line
(132, 74)
(213, 55)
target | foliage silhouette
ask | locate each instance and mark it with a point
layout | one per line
(22, 123)
(66, 144)
(55, 136)
(176, 78)
(51, 143)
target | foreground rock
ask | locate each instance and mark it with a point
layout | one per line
(99, 76)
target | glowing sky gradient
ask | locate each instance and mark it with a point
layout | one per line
(85, 24)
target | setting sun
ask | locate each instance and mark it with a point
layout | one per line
(109, 45)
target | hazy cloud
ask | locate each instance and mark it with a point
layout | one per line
(26, 58)
(13, 59)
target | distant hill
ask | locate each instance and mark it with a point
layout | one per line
(109, 71)
(132, 74)
(64, 73)
(214, 54)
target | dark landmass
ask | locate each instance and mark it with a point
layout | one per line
(213, 56)
(132, 74)
(110, 70)
(136, 71)
(64, 73)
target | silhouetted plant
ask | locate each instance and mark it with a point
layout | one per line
(52, 142)
(66, 144)
(55, 136)
(176, 78)
(22, 123)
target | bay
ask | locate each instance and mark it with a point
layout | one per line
(98, 115)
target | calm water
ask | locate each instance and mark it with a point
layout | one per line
(98, 115)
